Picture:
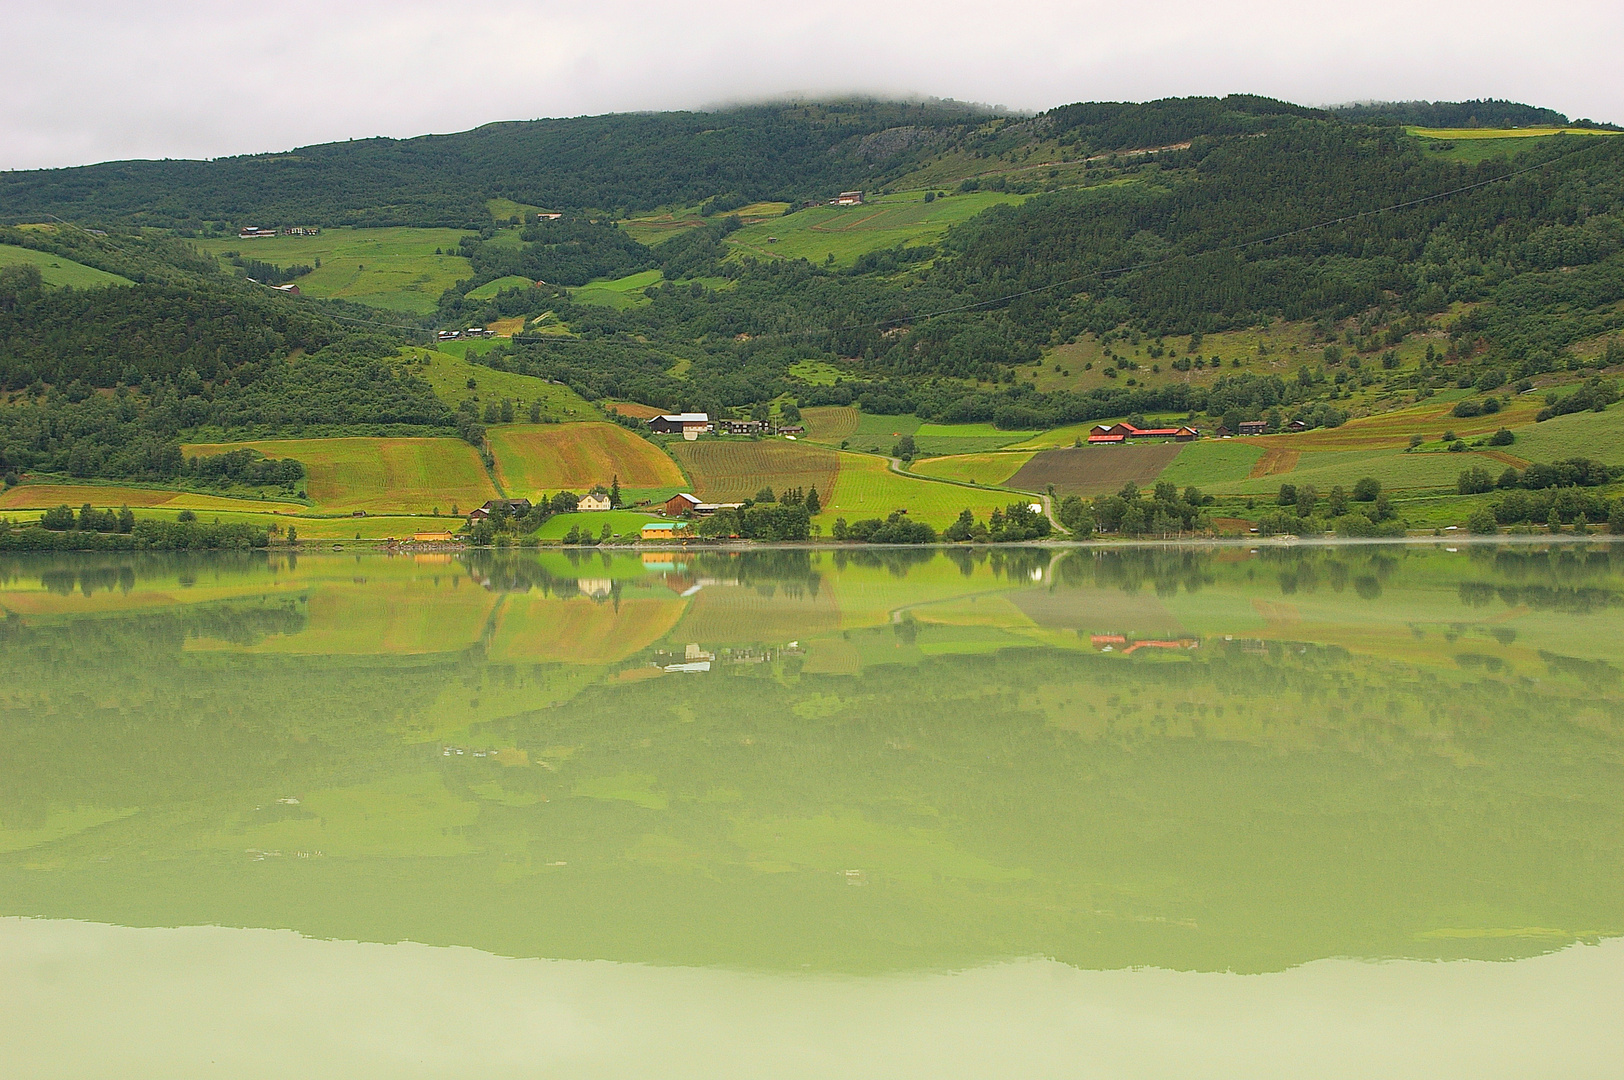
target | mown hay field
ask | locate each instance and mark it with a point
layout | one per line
(620, 522)
(992, 469)
(734, 470)
(1095, 470)
(1211, 461)
(830, 423)
(45, 496)
(633, 408)
(535, 458)
(393, 268)
(410, 475)
(867, 488)
(619, 293)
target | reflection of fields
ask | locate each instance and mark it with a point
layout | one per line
(871, 761)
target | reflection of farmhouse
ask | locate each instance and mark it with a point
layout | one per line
(1120, 643)
(1115, 433)
(689, 424)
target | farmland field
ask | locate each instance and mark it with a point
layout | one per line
(846, 232)
(732, 471)
(45, 496)
(1397, 471)
(830, 423)
(1209, 461)
(868, 488)
(535, 458)
(1455, 134)
(879, 433)
(1583, 434)
(991, 469)
(448, 376)
(412, 475)
(501, 284)
(392, 268)
(617, 293)
(59, 271)
(620, 522)
(1393, 429)
(633, 408)
(1095, 470)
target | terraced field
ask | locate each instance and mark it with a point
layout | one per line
(536, 458)
(731, 471)
(412, 476)
(1429, 420)
(1397, 471)
(1095, 470)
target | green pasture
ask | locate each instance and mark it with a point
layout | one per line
(392, 268)
(816, 372)
(58, 271)
(884, 221)
(867, 488)
(986, 469)
(879, 433)
(965, 438)
(1583, 434)
(619, 293)
(1471, 145)
(1212, 461)
(620, 522)
(504, 209)
(449, 375)
(1397, 470)
(501, 284)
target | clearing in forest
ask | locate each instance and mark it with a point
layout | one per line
(536, 458)
(56, 270)
(1095, 470)
(731, 471)
(411, 476)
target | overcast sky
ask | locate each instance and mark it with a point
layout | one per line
(96, 80)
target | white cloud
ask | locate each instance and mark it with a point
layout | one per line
(93, 81)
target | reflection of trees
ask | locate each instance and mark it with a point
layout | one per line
(1166, 570)
(91, 573)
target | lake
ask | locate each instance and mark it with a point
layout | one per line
(1125, 812)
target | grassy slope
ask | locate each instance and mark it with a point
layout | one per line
(501, 284)
(846, 232)
(1586, 434)
(985, 468)
(531, 459)
(45, 496)
(617, 293)
(1211, 461)
(620, 522)
(387, 475)
(449, 376)
(867, 488)
(58, 271)
(393, 268)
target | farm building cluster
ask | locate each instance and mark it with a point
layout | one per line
(1107, 434)
(691, 425)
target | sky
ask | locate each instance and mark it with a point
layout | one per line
(98, 80)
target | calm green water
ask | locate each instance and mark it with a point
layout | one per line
(1135, 813)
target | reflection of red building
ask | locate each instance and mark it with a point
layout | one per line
(1120, 642)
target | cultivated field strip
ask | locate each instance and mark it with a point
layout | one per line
(1095, 470)
(734, 471)
(536, 458)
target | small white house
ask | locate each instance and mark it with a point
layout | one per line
(595, 501)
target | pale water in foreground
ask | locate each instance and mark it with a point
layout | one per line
(1138, 813)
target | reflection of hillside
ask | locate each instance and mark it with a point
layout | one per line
(746, 615)
(388, 618)
(537, 628)
(1098, 610)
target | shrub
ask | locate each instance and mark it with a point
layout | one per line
(1482, 521)
(1366, 489)
(1503, 437)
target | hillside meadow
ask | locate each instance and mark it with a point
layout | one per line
(409, 475)
(904, 219)
(392, 268)
(59, 270)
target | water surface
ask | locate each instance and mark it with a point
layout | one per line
(1132, 813)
